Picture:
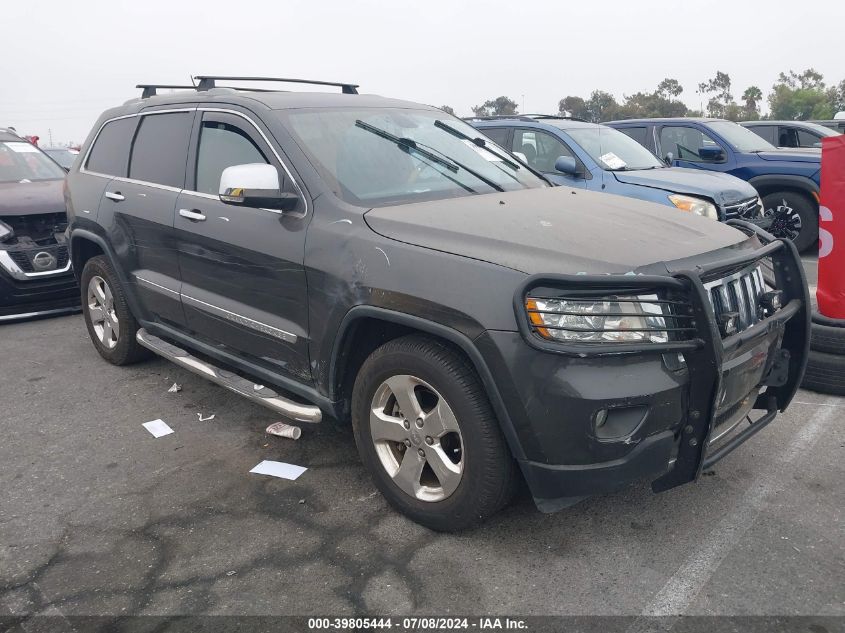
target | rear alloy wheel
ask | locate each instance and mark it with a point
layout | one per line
(794, 216)
(428, 436)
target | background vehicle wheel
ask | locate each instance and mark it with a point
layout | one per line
(825, 373)
(428, 436)
(794, 216)
(110, 324)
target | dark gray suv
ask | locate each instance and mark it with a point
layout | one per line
(377, 260)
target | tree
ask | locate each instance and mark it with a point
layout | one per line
(802, 96)
(574, 106)
(751, 99)
(669, 88)
(448, 109)
(720, 88)
(602, 106)
(495, 107)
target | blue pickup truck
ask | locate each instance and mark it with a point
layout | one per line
(574, 153)
(787, 179)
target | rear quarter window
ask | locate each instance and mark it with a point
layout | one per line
(110, 153)
(160, 151)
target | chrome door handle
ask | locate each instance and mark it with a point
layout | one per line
(115, 195)
(194, 216)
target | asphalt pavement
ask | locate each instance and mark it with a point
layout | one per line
(97, 517)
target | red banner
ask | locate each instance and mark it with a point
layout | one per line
(831, 289)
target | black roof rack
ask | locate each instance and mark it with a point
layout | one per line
(149, 90)
(524, 117)
(207, 82)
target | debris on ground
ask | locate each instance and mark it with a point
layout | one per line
(205, 419)
(278, 469)
(158, 428)
(280, 429)
(176, 388)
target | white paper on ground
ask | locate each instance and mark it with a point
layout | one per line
(158, 428)
(278, 469)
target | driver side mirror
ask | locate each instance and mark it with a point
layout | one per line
(711, 154)
(255, 185)
(566, 165)
(670, 158)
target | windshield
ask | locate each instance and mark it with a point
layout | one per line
(613, 150)
(740, 138)
(23, 162)
(379, 156)
(63, 157)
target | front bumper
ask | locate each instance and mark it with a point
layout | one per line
(39, 296)
(690, 412)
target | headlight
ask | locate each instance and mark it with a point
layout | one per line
(606, 320)
(694, 205)
(6, 232)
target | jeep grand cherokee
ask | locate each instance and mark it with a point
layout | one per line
(377, 260)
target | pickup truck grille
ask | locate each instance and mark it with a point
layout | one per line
(739, 293)
(745, 209)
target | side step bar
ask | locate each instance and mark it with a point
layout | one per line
(241, 386)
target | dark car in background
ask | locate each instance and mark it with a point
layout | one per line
(837, 125)
(787, 180)
(804, 134)
(64, 156)
(575, 153)
(35, 270)
(380, 261)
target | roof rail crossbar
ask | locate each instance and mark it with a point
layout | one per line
(207, 82)
(524, 117)
(150, 90)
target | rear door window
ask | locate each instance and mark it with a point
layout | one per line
(160, 150)
(639, 134)
(498, 134)
(808, 139)
(766, 132)
(110, 153)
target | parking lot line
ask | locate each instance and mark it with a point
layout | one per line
(683, 587)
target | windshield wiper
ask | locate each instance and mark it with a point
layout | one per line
(427, 151)
(482, 143)
(407, 144)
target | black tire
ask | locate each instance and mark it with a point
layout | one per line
(824, 338)
(126, 349)
(489, 478)
(825, 373)
(780, 203)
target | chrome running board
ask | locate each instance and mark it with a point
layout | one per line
(241, 386)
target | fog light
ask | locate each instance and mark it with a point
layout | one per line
(728, 323)
(772, 301)
(619, 423)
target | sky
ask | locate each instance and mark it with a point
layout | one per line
(67, 61)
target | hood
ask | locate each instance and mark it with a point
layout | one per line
(554, 230)
(809, 155)
(724, 189)
(28, 198)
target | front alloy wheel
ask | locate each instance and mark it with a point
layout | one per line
(417, 438)
(102, 313)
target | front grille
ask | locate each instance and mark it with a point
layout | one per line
(739, 293)
(23, 259)
(745, 209)
(40, 227)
